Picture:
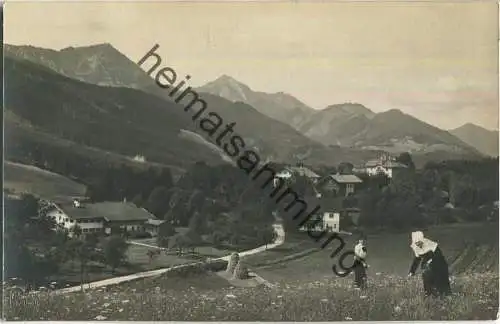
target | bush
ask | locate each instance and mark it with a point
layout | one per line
(187, 270)
(215, 266)
(115, 249)
(139, 235)
(449, 216)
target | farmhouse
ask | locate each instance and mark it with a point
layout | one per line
(101, 217)
(289, 173)
(336, 214)
(384, 165)
(339, 185)
(329, 221)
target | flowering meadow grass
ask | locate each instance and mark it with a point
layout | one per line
(208, 297)
(305, 288)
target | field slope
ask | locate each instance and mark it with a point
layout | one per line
(305, 288)
(467, 248)
(21, 178)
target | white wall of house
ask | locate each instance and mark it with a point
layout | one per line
(378, 169)
(284, 174)
(134, 227)
(332, 221)
(61, 218)
(87, 226)
(319, 227)
(90, 226)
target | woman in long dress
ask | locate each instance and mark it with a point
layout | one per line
(434, 267)
(360, 265)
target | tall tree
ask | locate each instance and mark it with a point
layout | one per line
(157, 203)
(345, 168)
(115, 249)
(406, 159)
(197, 224)
(165, 231)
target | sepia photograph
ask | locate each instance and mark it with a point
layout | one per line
(250, 161)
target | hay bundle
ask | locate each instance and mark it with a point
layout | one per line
(233, 261)
(241, 271)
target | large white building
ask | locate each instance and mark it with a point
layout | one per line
(103, 217)
(383, 165)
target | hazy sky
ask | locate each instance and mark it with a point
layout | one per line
(436, 61)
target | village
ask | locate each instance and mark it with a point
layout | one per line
(112, 217)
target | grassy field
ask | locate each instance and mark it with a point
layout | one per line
(305, 288)
(137, 261)
(137, 255)
(467, 248)
(26, 178)
(208, 297)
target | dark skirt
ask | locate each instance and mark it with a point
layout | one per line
(436, 276)
(359, 274)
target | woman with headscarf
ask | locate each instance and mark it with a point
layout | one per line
(360, 265)
(434, 267)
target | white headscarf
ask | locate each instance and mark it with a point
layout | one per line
(358, 250)
(427, 245)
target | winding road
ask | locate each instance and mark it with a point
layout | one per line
(279, 240)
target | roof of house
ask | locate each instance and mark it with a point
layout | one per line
(110, 211)
(345, 178)
(303, 171)
(155, 222)
(385, 164)
(284, 174)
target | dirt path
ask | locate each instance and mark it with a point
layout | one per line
(147, 245)
(280, 238)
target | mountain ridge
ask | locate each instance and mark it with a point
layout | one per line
(280, 105)
(280, 123)
(485, 140)
(276, 140)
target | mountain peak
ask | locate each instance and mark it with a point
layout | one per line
(100, 64)
(99, 46)
(484, 140)
(228, 80)
(469, 125)
(394, 111)
(226, 77)
(350, 108)
(227, 87)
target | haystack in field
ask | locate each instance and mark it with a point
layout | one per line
(233, 261)
(241, 271)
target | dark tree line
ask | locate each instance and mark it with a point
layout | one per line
(443, 192)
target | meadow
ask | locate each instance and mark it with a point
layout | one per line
(209, 297)
(305, 288)
(27, 178)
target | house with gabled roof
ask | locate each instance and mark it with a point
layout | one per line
(102, 217)
(384, 165)
(290, 173)
(339, 185)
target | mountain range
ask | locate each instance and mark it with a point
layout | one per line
(348, 125)
(484, 140)
(71, 105)
(280, 106)
(121, 120)
(98, 97)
